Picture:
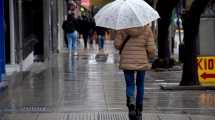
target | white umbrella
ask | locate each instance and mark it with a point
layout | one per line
(122, 14)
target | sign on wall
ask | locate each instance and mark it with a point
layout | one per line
(206, 70)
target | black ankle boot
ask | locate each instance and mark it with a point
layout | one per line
(131, 108)
(131, 113)
(139, 109)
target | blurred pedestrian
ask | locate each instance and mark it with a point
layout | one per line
(101, 36)
(79, 21)
(92, 29)
(65, 39)
(136, 46)
(70, 27)
(85, 29)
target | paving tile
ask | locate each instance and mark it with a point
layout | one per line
(100, 116)
(20, 116)
(150, 116)
(52, 116)
(202, 117)
(173, 117)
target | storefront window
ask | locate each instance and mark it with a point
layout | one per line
(210, 11)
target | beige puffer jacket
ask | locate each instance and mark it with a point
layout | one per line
(138, 49)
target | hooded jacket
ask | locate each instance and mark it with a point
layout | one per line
(137, 50)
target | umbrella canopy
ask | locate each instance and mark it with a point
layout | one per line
(122, 14)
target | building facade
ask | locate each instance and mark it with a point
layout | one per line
(32, 30)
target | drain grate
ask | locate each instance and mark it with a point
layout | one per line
(101, 58)
(112, 116)
(36, 108)
(98, 116)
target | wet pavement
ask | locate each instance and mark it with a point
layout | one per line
(89, 86)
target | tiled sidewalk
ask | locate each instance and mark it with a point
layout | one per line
(86, 87)
(101, 116)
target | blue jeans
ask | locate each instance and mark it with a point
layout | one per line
(101, 41)
(72, 38)
(130, 84)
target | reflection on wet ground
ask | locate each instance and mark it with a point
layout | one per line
(207, 100)
(90, 82)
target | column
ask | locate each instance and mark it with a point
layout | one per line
(2, 42)
(47, 29)
(12, 32)
(20, 33)
(60, 22)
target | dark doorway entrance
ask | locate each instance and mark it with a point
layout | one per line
(38, 29)
(33, 28)
(7, 30)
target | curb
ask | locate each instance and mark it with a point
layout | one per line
(177, 87)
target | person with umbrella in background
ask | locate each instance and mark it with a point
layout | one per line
(135, 42)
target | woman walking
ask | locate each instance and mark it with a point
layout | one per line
(136, 47)
(70, 27)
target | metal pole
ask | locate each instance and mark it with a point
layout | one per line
(50, 5)
(12, 32)
(20, 22)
